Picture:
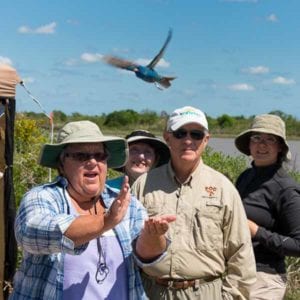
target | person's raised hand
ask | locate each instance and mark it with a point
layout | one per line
(119, 207)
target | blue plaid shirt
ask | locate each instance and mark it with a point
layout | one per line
(42, 218)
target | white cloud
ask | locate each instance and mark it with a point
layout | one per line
(5, 60)
(71, 62)
(142, 61)
(257, 70)
(272, 18)
(189, 93)
(24, 29)
(161, 64)
(28, 80)
(73, 22)
(45, 29)
(124, 72)
(91, 57)
(241, 87)
(283, 80)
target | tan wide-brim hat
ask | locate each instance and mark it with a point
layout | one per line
(269, 124)
(84, 132)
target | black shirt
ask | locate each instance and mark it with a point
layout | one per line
(272, 200)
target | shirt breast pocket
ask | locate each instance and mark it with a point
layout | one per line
(207, 225)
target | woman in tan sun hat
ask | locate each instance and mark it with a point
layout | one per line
(78, 235)
(272, 202)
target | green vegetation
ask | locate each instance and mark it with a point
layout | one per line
(28, 140)
(32, 130)
(228, 165)
(123, 121)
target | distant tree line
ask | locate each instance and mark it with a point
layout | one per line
(123, 121)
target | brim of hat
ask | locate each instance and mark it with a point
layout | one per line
(160, 148)
(242, 141)
(116, 147)
(181, 123)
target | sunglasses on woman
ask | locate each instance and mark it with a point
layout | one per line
(84, 156)
(194, 134)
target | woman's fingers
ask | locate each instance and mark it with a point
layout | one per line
(159, 225)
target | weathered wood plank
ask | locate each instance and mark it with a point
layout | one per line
(2, 233)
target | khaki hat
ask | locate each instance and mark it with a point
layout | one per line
(160, 147)
(84, 132)
(269, 124)
(186, 115)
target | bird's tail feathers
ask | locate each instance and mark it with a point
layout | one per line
(165, 81)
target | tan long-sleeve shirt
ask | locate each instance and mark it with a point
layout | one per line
(210, 236)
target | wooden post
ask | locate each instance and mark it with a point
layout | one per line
(2, 224)
(8, 248)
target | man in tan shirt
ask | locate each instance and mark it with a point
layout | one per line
(210, 255)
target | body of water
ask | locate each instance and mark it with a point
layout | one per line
(226, 145)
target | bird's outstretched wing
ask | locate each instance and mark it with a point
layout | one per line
(156, 59)
(120, 63)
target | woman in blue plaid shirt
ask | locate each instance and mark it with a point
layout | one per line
(80, 238)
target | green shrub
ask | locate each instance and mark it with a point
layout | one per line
(230, 166)
(225, 121)
(28, 140)
(121, 118)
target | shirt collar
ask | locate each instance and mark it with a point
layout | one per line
(192, 177)
(59, 180)
(108, 194)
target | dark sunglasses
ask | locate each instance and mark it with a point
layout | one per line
(194, 134)
(82, 156)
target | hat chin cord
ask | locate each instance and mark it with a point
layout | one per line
(92, 200)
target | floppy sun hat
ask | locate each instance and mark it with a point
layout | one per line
(269, 124)
(160, 147)
(84, 132)
(186, 115)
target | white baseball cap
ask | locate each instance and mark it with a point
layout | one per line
(186, 115)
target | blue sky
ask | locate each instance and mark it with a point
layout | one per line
(239, 57)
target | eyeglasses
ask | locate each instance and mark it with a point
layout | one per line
(269, 140)
(83, 156)
(136, 150)
(194, 134)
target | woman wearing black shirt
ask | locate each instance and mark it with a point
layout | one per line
(272, 202)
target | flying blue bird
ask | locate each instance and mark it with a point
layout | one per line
(146, 73)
